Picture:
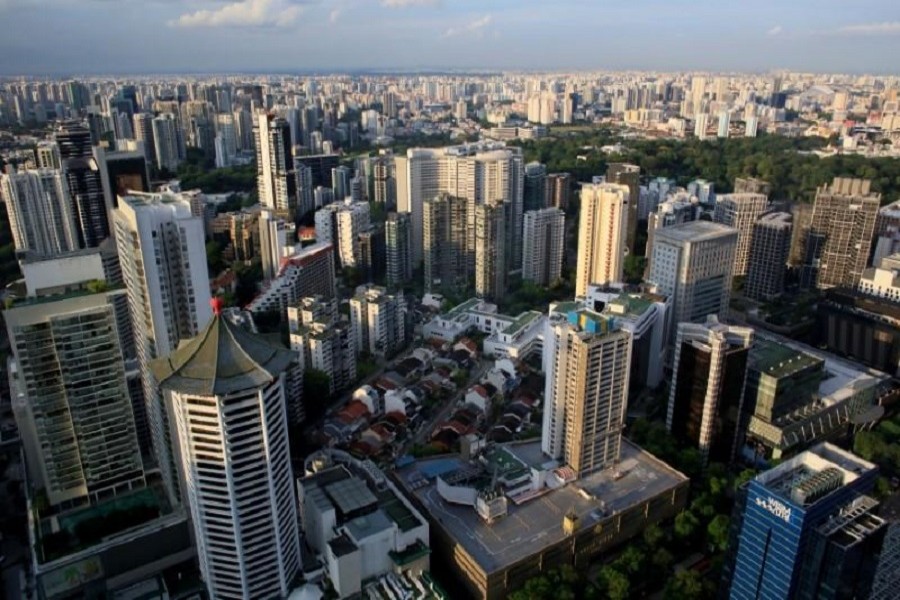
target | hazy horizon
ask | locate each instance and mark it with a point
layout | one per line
(93, 37)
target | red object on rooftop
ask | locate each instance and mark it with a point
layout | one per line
(217, 305)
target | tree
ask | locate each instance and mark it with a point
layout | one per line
(214, 257)
(686, 524)
(686, 585)
(616, 584)
(717, 532)
(316, 391)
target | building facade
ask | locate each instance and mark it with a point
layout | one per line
(769, 254)
(602, 235)
(543, 246)
(226, 388)
(740, 212)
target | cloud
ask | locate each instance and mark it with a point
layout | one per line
(883, 28)
(245, 13)
(335, 14)
(406, 3)
(477, 27)
(775, 31)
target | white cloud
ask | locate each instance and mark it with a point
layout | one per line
(477, 27)
(775, 31)
(335, 14)
(405, 3)
(246, 13)
(883, 28)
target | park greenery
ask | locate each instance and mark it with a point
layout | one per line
(789, 164)
(881, 445)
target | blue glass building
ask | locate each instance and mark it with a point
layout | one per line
(805, 528)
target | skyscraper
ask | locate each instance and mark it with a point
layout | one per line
(449, 243)
(840, 236)
(398, 246)
(378, 319)
(40, 212)
(143, 132)
(77, 426)
(226, 139)
(559, 190)
(84, 185)
(276, 178)
(544, 241)
(630, 176)
(710, 368)
(535, 186)
(226, 388)
(740, 212)
(484, 172)
(769, 255)
(693, 265)
(167, 142)
(491, 267)
(805, 529)
(586, 358)
(602, 234)
(163, 258)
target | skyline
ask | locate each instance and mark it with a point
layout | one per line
(286, 36)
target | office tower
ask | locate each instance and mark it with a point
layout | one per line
(559, 190)
(76, 420)
(535, 187)
(306, 200)
(586, 358)
(243, 129)
(121, 172)
(143, 132)
(324, 341)
(806, 528)
(656, 192)
(277, 181)
(48, 156)
(226, 140)
(398, 247)
(372, 257)
(740, 212)
(840, 235)
(168, 142)
(163, 257)
(887, 232)
(701, 124)
(676, 209)
(751, 126)
(491, 268)
(40, 212)
(751, 185)
(698, 91)
(378, 319)
(705, 397)
(320, 166)
(769, 254)
(385, 182)
(227, 391)
(84, 185)
(275, 236)
(602, 233)
(449, 243)
(693, 265)
(704, 190)
(724, 124)
(544, 245)
(630, 176)
(340, 182)
(485, 173)
(783, 409)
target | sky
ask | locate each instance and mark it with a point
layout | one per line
(72, 37)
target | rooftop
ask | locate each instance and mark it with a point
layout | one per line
(778, 360)
(537, 523)
(694, 231)
(224, 358)
(522, 321)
